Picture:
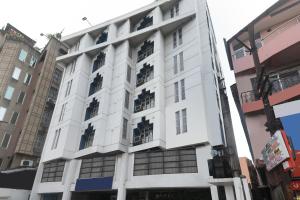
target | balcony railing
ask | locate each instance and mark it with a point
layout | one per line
(281, 28)
(279, 82)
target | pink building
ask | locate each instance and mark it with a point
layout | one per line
(277, 38)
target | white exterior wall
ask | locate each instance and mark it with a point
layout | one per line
(13, 194)
(201, 103)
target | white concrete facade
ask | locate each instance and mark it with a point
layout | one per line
(124, 41)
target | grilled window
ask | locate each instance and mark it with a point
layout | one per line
(143, 133)
(145, 100)
(146, 74)
(102, 38)
(14, 118)
(127, 97)
(174, 11)
(181, 127)
(124, 129)
(53, 171)
(165, 162)
(21, 97)
(99, 62)
(92, 110)
(56, 138)
(146, 50)
(5, 141)
(128, 75)
(146, 22)
(96, 85)
(97, 167)
(87, 138)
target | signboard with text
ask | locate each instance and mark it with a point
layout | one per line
(275, 151)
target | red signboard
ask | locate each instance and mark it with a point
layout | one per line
(296, 171)
(295, 185)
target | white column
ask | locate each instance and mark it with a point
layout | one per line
(238, 188)
(246, 189)
(67, 195)
(122, 176)
(229, 191)
(214, 192)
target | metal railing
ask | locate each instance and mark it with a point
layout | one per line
(278, 84)
(281, 28)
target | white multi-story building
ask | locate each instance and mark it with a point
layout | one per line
(139, 110)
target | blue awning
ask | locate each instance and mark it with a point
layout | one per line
(94, 184)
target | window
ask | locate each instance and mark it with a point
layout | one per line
(9, 93)
(99, 62)
(146, 22)
(73, 67)
(22, 55)
(177, 38)
(152, 162)
(53, 171)
(5, 141)
(146, 50)
(16, 73)
(87, 138)
(143, 133)
(146, 74)
(32, 61)
(176, 88)
(175, 64)
(128, 77)
(175, 9)
(127, 96)
(62, 112)
(145, 100)
(56, 138)
(14, 118)
(124, 129)
(2, 113)
(96, 85)
(102, 38)
(21, 98)
(27, 79)
(69, 86)
(184, 121)
(97, 167)
(182, 89)
(177, 115)
(180, 36)
(174, 40)
(92, 110)
(181, 61)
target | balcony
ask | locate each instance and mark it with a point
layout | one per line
(278, 40)
(285, 86)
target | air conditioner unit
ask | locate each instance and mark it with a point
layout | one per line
(26, 163)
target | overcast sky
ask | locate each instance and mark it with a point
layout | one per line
(40, 16)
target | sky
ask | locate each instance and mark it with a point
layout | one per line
(34, 17)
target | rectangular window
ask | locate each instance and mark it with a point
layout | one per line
(14, 118)
(5, 141)
(69, 86)
(184, 121)
(127, 99)
(22, 55)
(2, 113)
(128, 78)
(176, 92)
(21, 98)
(174, 40)
(55, 140)
(124, 131)
(175, 64)
(32, 61)
(62, 112)
(53, 171)
(97, 167)
(27, 79)
(73, 67)
(180, 36)
(176, 8)
(177, 116)
(16, 73)
(182, 89)
(9, 93)
(181, 61)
